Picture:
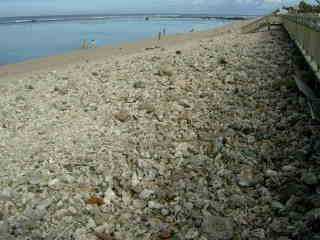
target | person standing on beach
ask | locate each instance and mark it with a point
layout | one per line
(85, 44)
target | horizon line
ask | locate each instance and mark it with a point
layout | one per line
(134, 14)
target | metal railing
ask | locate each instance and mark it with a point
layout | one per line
(260, 23)
(304, 30)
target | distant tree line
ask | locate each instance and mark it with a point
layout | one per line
(304, 7)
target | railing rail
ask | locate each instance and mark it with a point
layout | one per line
(261, 22)
(308, 20)
(304, 29)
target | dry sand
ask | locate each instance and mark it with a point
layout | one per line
(205, 137)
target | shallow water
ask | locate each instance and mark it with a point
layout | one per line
(23, 41)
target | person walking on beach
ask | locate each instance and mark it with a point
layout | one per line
(93, 43)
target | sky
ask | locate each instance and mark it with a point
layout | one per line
(52, 7)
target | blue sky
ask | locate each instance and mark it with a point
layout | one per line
(45, 7)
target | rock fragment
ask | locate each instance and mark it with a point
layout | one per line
(148, 107)
(248, 177)
(219, 228)
(222, 61)
(309, 178)
(165, 70)
(122, 116)
(139, 84)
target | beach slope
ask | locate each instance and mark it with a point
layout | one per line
(198, 136)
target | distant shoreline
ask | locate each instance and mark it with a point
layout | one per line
(80, 56)
(57, 18)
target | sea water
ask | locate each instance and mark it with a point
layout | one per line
(24, 38)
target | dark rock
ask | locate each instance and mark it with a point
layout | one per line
(165, 234)
(258, 233)
(62, 91)
(148, 107)
(313, 214)
(295, 216)
(237, 201)
(248, 177)
(315, 237)
(279, 225)
(62, 106)
(289, 189)
(283, 238)
(222, 61)
(91, 108)
(314, 200)
(29, 87)
(301, 155)
(184, 103)
(289, 168)
(277, 206)
(309, 178)
(139, 84)
(293, 202)
(312, 223)
(95, 74)
(218, 228)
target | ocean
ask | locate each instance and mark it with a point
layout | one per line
(24, 38)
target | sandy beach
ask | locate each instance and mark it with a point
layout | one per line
(197, 136)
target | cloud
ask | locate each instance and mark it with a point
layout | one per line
(198, 2)
(272, 1)
(36, 7)
(226, 6)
